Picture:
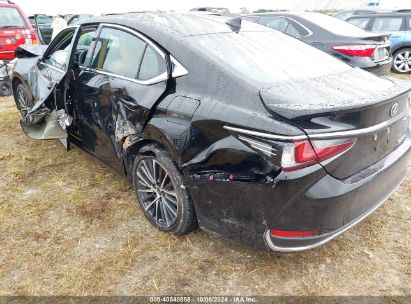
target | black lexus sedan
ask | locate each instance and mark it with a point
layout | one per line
(355, 46)
(217, 124)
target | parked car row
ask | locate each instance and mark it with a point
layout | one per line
(367, 10)
(338, 38)
(398, 26)
(226, 124)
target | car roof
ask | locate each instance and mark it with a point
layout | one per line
(381, 15)
(5, 3)
(176, 24)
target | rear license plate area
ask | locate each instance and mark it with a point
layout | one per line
(381, 54)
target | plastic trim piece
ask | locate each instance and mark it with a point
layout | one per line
(332, 135)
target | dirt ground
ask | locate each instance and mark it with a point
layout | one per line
(69, 226)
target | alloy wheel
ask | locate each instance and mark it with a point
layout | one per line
(402, 61)
(22, 100)
(156, 192)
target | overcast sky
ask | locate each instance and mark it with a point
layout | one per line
(96, 7)
(105, 6)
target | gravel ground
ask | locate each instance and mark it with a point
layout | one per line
(69, 226)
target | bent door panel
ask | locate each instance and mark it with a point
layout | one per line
(47, 119)
(116, 103)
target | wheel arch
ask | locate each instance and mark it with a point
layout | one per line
(401, 48)
(16, 80)
(136, 143)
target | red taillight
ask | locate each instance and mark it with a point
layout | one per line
(303, 154)
(362, 50)
(282, 233)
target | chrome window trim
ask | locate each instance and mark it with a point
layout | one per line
(157, 79)
(265, 135)
(332, 135)
(179, 69)
(135, 33)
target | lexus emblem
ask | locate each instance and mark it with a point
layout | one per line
(394, 109)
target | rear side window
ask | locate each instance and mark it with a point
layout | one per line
(360, 22)
(118, 52)
(10, 17)
(390, 24)
(83, 45)
(277, 23)
(292, 31)
(152, 65)
(409, 23)
(302, 32)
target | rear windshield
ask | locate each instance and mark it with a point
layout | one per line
(334, 25)
(44, 20)
(10, 18)
(268, 56)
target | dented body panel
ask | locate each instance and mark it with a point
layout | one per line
(226, 132)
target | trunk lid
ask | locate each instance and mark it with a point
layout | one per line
(351, 101)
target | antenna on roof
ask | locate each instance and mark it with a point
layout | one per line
(234, 23)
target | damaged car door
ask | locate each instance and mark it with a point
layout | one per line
(119, 85)
(48, 118)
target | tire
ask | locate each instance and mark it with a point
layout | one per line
(23, 101)
(161, 192)
(402, 61)
(5, 88)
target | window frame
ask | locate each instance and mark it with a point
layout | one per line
(273, 17)
(291, 21)
(88, 27)
(402, 27)
(369, 23)
(154, 80)
(56, 44)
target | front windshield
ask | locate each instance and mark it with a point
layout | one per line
(10, 18)
(267, 56)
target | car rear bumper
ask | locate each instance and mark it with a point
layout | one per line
(345, 203)
(381, 68)
(305, 200)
